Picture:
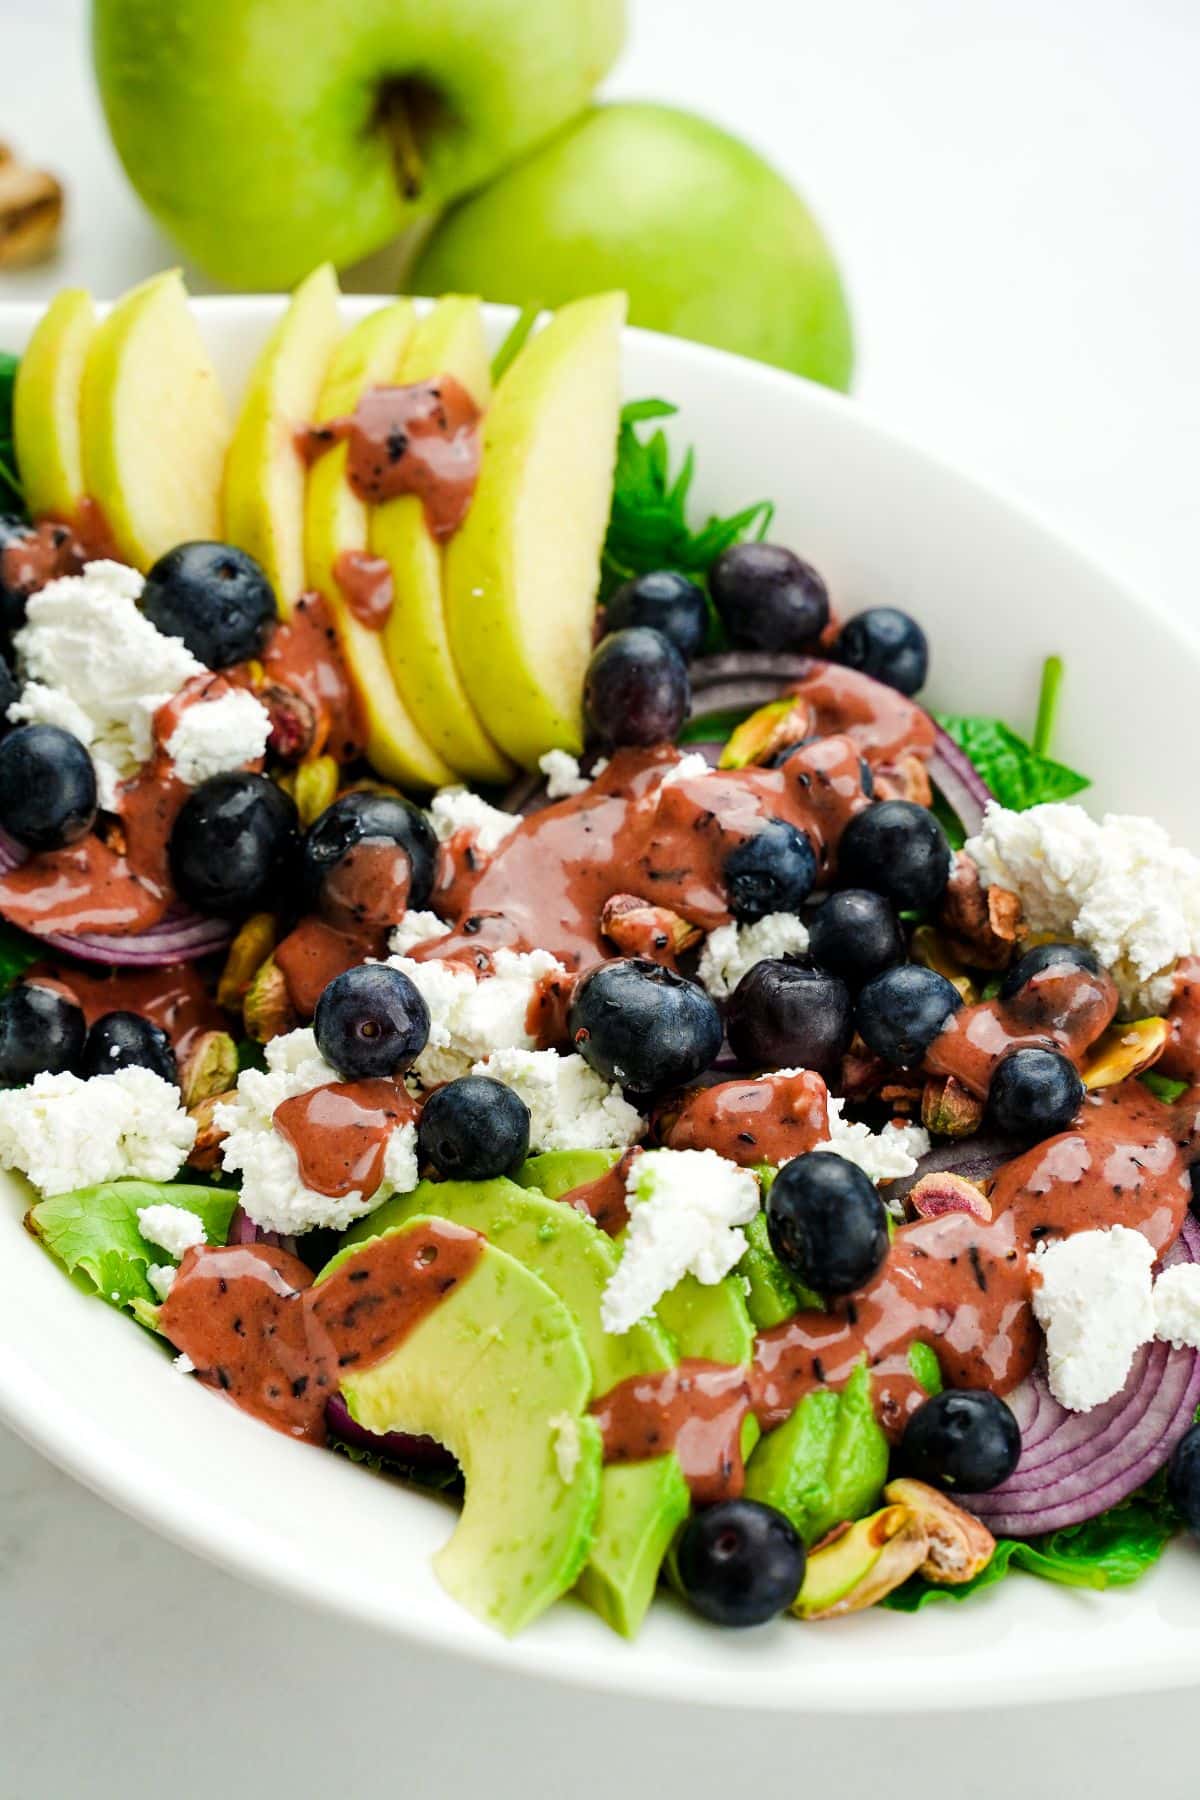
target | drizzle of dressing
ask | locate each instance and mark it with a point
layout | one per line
(366, 585)
(1060, 1008)
(340, 1133)
(768, 1120)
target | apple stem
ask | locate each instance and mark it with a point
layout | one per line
(396, 120)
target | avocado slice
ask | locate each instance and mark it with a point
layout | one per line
(641, 1504)
(498, 1373)
(825, 1464)
(555, 1172)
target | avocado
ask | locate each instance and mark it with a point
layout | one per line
(498, 1373)
(555, 1172)
(773, 1294)
(825, 1464)
(641, 1504)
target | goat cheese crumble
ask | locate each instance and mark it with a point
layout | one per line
(567, 1447)
(687, 768)
(272, 1192)
(1093, 1300)
(731, 951)
(472, 1016)
(686, 1208)
(95, 666)
(1118, 886)
(886, 1155)
(564, 777)
(161, 1277)
(217, 736)
(458, 809)
(570, 1106)
(66, 1133)
(1177, 1306)
(173, 1228)
(415, 928)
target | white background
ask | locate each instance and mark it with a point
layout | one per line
(1011, 185)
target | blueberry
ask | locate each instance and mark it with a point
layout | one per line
(740, 1563)
(636, 690)
(773, 871)
(901, 1011)
(896, 848)
(233, 844)
(768, 599)
(665, 601)
(369, 818)
(40, 1030)
(888, 644)
(1183, 1481)
(855, 934)
(371, 1021)
(963, 1438)
(47, 787)
(1194, 1176)
(124, 1040)
(213, 596)
(1034, 1093)
(474, 1129)
(786, 1014)
(1046, 956)
(643, 1026)
(826, 1223)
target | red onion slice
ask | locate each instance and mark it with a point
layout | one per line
(1076, 1465)
(12, 854)
(389, 1446)
(180, 937)
(959, 782)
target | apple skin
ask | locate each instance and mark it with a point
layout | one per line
(707, 240)
(248, 126)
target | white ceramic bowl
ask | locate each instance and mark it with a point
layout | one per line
(997, 592)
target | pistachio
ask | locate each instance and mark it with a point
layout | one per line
(1124, 1050)
(293, 722)
(31, 209)
(934, 1195)
(958, 1546)
(861, 1563)
(210, 1067)
(980, 925)
(206, 1151)
(314, 787)
(641, 929)
(948, 1110)
(253, 944)
(776, 726)
(930, 948)
(267, 1008)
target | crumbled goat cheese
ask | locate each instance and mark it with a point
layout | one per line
(570, 1106)
(458, 809)
(1093, 1301)
(65, 1133)
(886, 1155)
(1177, 1306)
(415, 928)
(272, 1193)
(686, 769)
(732, 950)
(470, 1016)
(96, 666)
(161, 1277)
(567, 1448)
(214, 737)
(564, 777)
(173, 1228)
(685, 1210)
(1120, 887)
(183, 1364)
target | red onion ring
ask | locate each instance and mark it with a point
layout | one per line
(389, 1446)
(1076, 1465)
(959, 782)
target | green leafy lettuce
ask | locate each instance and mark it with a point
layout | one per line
(648, 528)
(11, 496)
(1017, 775)
(94, 1232)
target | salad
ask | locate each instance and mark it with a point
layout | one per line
(506, 985)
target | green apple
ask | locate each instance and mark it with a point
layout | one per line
(46, 407)
(708, 241)
(262, 493)
(523, 569)
(449, 340)
(268, 136)
(153, 424)
(336, 521)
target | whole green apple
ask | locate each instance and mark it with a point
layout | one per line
(270, 135)
(708, 241)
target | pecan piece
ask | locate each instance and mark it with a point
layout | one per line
(905, 779)
(31, 209)
(981, 924)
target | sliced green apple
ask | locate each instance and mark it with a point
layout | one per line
(46, 407)
(154, 426)
(449, 340)
(262, 496)
(522, 573)
(336, 522)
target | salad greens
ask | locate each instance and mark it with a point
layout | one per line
(11, 496)
(648, 528)
(94, 1231)
(1020, 775)
(18, 952)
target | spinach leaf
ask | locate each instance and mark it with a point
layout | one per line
(1014, 771)
(11, 496)
(18, 952)
(94, 1231)
(648, 528)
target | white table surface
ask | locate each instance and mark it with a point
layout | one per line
(1011, 186)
